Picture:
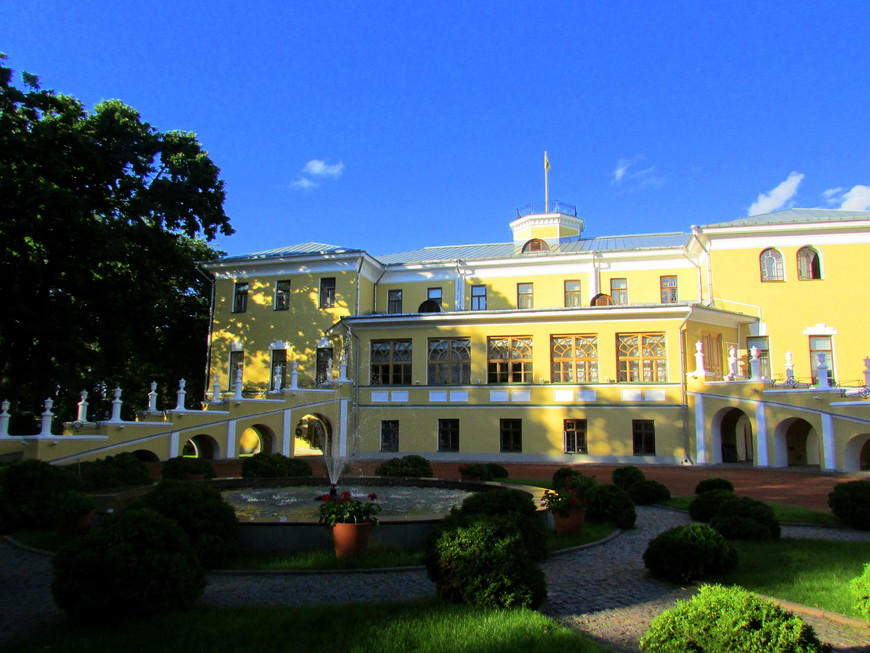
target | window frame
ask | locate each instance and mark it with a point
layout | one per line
(281, 300)
(809, 263)
(573, 298)
(478, 301)
(575, 436)
(455, 368)
(240, 296)
(668, 292)
(658, 364)
(510, 432)
(535, 245)
(236, 360)
(525, 295)
(394, 300)
(327, 292)
(814, 356)
(435, 295)
(390, 435)
(279, 359)
(510, 368)
(619, 294)
(643, 437)
(771, 266)
(574, 366)
(763, 355)
(448, 434)
(398, 369)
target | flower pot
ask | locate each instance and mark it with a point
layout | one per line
(569, 522)
(351, 539)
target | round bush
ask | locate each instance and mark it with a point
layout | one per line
(201, 512)
(688, 553)
(274, 465)
(714, 483)
(181, 466)
(611, 503)
(113, 471)
(850, 502)
(746, 519)
(570, 477)
(705, 506)
(27, 488)
(497, 471)
(411, 466)
(476, 470)
(485, 563)
(134, 564)
(625, 477)
(860, 588)
(648, 492)
(723, 619)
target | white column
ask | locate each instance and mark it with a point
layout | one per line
(83, 407)
(116, 406)
(829, 455)
(179, 397)
(699, 360)
(238, 384)
(761, 435)
(287, 433)
(46, 418)
(342, 431)
(824, 375)
(867, 372)
(754, 364)
(700, 420)
(4, 418)
(173, 444)
(732, 363)
(294, 376)
(152, 398)
(789, 367)
(216, 388)
(231, 439)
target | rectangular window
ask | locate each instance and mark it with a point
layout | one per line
(711, 345)
(641, 357)
(449, 361)
(821, 345)
(279, 364)
(391, 362)
(510, 434)
(643, 432)
(669, 289)
(327, 292)
(574, 359)
(525, 295)
(434, 295)
(509, 360)
(763, 347)
(575, 436)
(323, 366)
(478, 298)
(619, 291)
(240, 298)
(394, 301)
(448, 435)
(237, 362)
(389, 435)
(572, 294)
(282, 295)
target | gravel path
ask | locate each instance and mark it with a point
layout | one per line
(602, 591)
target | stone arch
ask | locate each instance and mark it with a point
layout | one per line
(202, 446)
(795, 443)
(146, 456)
(732, 437)
(856, 455)
(255, 439)
(316, 430)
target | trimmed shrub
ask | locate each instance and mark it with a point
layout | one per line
(850, 502)
(721, 619)
(411, 466)
(648, 492)
(705, 506)
(274, 465)
(612, 504)
(688, 553)
(181, 466)
(860, 588)
(201, 512)
(746, 519)
(113, 471)
(69, 509)
(485, 563)
(625, 477)
(714, 483)
(497, 471)
(476, 470)
(27, 489)
(137, 563)
(517, 507)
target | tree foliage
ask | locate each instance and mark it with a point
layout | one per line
(104, 219)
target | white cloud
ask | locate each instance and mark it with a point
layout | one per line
(320, 168)
(778, 197)
(621, 169)
(856, 198)
(627, 172)
(303, 183)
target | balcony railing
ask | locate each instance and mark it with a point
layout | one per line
(554, 206)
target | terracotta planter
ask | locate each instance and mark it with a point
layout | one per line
(570, 522)
(351, 539)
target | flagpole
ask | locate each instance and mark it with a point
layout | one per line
(546, 183)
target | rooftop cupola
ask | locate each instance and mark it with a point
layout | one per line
(551, 222)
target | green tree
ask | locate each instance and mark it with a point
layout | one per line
(103, 220)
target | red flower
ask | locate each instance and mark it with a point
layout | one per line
(345, 495)
(325, 497)
(373, 496)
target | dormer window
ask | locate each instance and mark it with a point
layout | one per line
(535, 245)
(809, 265)
(771, 265)
(602, 300)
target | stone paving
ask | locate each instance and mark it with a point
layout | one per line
(602, 591)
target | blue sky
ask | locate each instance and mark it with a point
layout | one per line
(389, 126)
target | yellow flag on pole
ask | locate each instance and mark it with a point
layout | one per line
(546, 162)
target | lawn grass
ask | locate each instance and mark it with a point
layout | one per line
(785, 514)
(428, 626)
(809, 572)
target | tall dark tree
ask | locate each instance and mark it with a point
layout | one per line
(102, 221)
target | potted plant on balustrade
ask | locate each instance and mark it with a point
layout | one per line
(351, 521)
(568, 507)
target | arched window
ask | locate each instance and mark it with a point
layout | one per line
(535, 245)
(771, 265)
(809, 264)
(602, 300)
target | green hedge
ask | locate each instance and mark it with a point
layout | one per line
(850, 502)
(706, 505)
(860, 588)
(625, 477)
(611, 503)
(274, 465)
(688, 553)
(410, 466)
(27, 491)
(181, 466)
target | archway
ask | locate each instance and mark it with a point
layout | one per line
(856, 455)
(314, 432)
(796, 443)
(146, 456)
(202, 446)
(256, 439)
(731, 437)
